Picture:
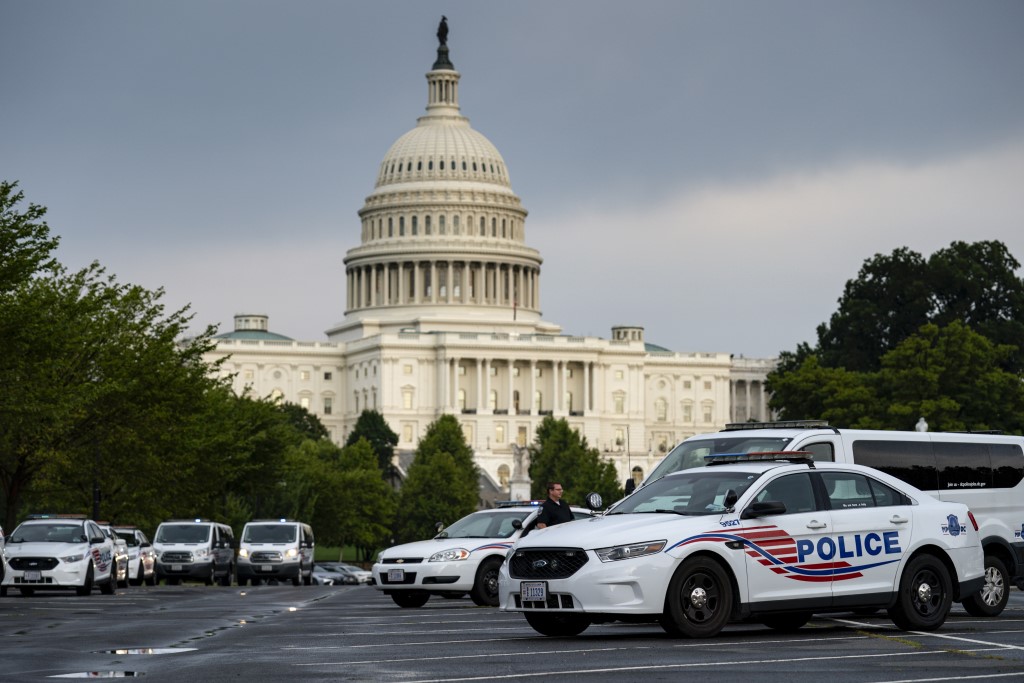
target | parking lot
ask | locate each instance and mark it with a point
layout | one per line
(312, 633)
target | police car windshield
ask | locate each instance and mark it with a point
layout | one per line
(698, 492)
(128, 537)
(53, 532)
(486, 524)
(269, 533)
(690, 454)
(183, 533)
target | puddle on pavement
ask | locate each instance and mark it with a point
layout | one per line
(102, 674)
(146, 651)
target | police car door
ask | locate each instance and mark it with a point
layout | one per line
(872, 524)
(781, 549)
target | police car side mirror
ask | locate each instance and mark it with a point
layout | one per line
(768, 507)
(439, 526)
(594, 501)
(97, 539)
(730, 498)
(517, 524)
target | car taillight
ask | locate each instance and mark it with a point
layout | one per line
(970, 515)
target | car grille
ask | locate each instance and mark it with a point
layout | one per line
(176, 556)
(402, 560)
(266, 556)
(549, 563)
(23, 563)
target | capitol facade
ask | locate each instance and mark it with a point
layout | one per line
(443, 315)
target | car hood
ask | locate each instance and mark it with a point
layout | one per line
(425, 549)
(44, 549)
(611, 530)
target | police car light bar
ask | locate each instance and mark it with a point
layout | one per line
(58, 515)
(787, 424)
(795, 457)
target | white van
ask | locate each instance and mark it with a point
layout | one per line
(985, 471)
(276, 549)
(194, 550)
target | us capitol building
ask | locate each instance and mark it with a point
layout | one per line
(443, 315)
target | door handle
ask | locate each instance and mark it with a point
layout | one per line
(896, 519)
(815, 524)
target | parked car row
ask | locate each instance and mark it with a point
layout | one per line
(72, 552)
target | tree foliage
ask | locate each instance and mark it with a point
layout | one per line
(940, 338)
(366, 503)
(372, 426)
(560, 454)
(442, 484)
(25, 241)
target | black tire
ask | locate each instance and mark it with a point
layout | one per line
(226, 579)
(699, 600)
(241, 581)
(556, 624)
(307, 580)
(3, 592)
(485, 586)
(410, 598)
(123, 583)
(787, 623)
(151, 581)
(925, 595)
(108, 586)
(208, 580)
(86, 587)
(138, 580)
(991, 600)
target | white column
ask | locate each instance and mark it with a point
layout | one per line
(746, 384)
(433, 282)
(533, 387)
(511, 380)
(586, 388)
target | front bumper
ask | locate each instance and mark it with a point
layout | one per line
(288, 569)
(201, 570)
(627, 587)
(64, 575)
(433, 577)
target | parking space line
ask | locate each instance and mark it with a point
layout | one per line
(977, 677)
(689, 665)
(932, 634)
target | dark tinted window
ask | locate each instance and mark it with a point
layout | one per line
(822, 452)
(1007, 464)
(910, 461)
(795, 490)
(963, 465)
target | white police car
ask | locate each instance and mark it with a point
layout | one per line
(774, 541)
(141, 556)
(462, 558)
(59, 551)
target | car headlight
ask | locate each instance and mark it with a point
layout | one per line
(243, 552)
(73, 558)
(291, 552)
(625, 552)
(449, 555)
(200, 553)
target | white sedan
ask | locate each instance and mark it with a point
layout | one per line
(764, 537)
(462, 558)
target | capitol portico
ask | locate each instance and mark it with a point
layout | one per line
(443, 315)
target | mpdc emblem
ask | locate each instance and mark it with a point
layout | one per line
(953, 527)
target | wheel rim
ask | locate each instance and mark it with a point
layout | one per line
(993, 590)
(701, 595)
(491, 583)
(927, 593)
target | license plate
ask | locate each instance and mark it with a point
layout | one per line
(175, 567)
(266, 568)
(534, 591)
(33, 576)
(396, 575)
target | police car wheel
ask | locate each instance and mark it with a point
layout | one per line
(925, 595)
(699, 599)
(108, 586)
(787, 623)
(993, 596)
(86, 587)
(557, 625)
(485, 588)
(410, 598)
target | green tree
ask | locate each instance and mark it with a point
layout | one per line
(365, 503)
(443, 482)
(560, 454)
(25, 242)
(372, 426)
(954, 377)
(308, 424)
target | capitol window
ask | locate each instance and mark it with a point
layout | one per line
(304, 375)
(415, 226)
(328, 405)
(328, 376)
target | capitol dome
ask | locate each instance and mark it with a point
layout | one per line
(443, 240)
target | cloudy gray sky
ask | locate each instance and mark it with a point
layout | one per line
(712, 171)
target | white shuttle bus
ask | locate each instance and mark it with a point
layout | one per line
(985, 471)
